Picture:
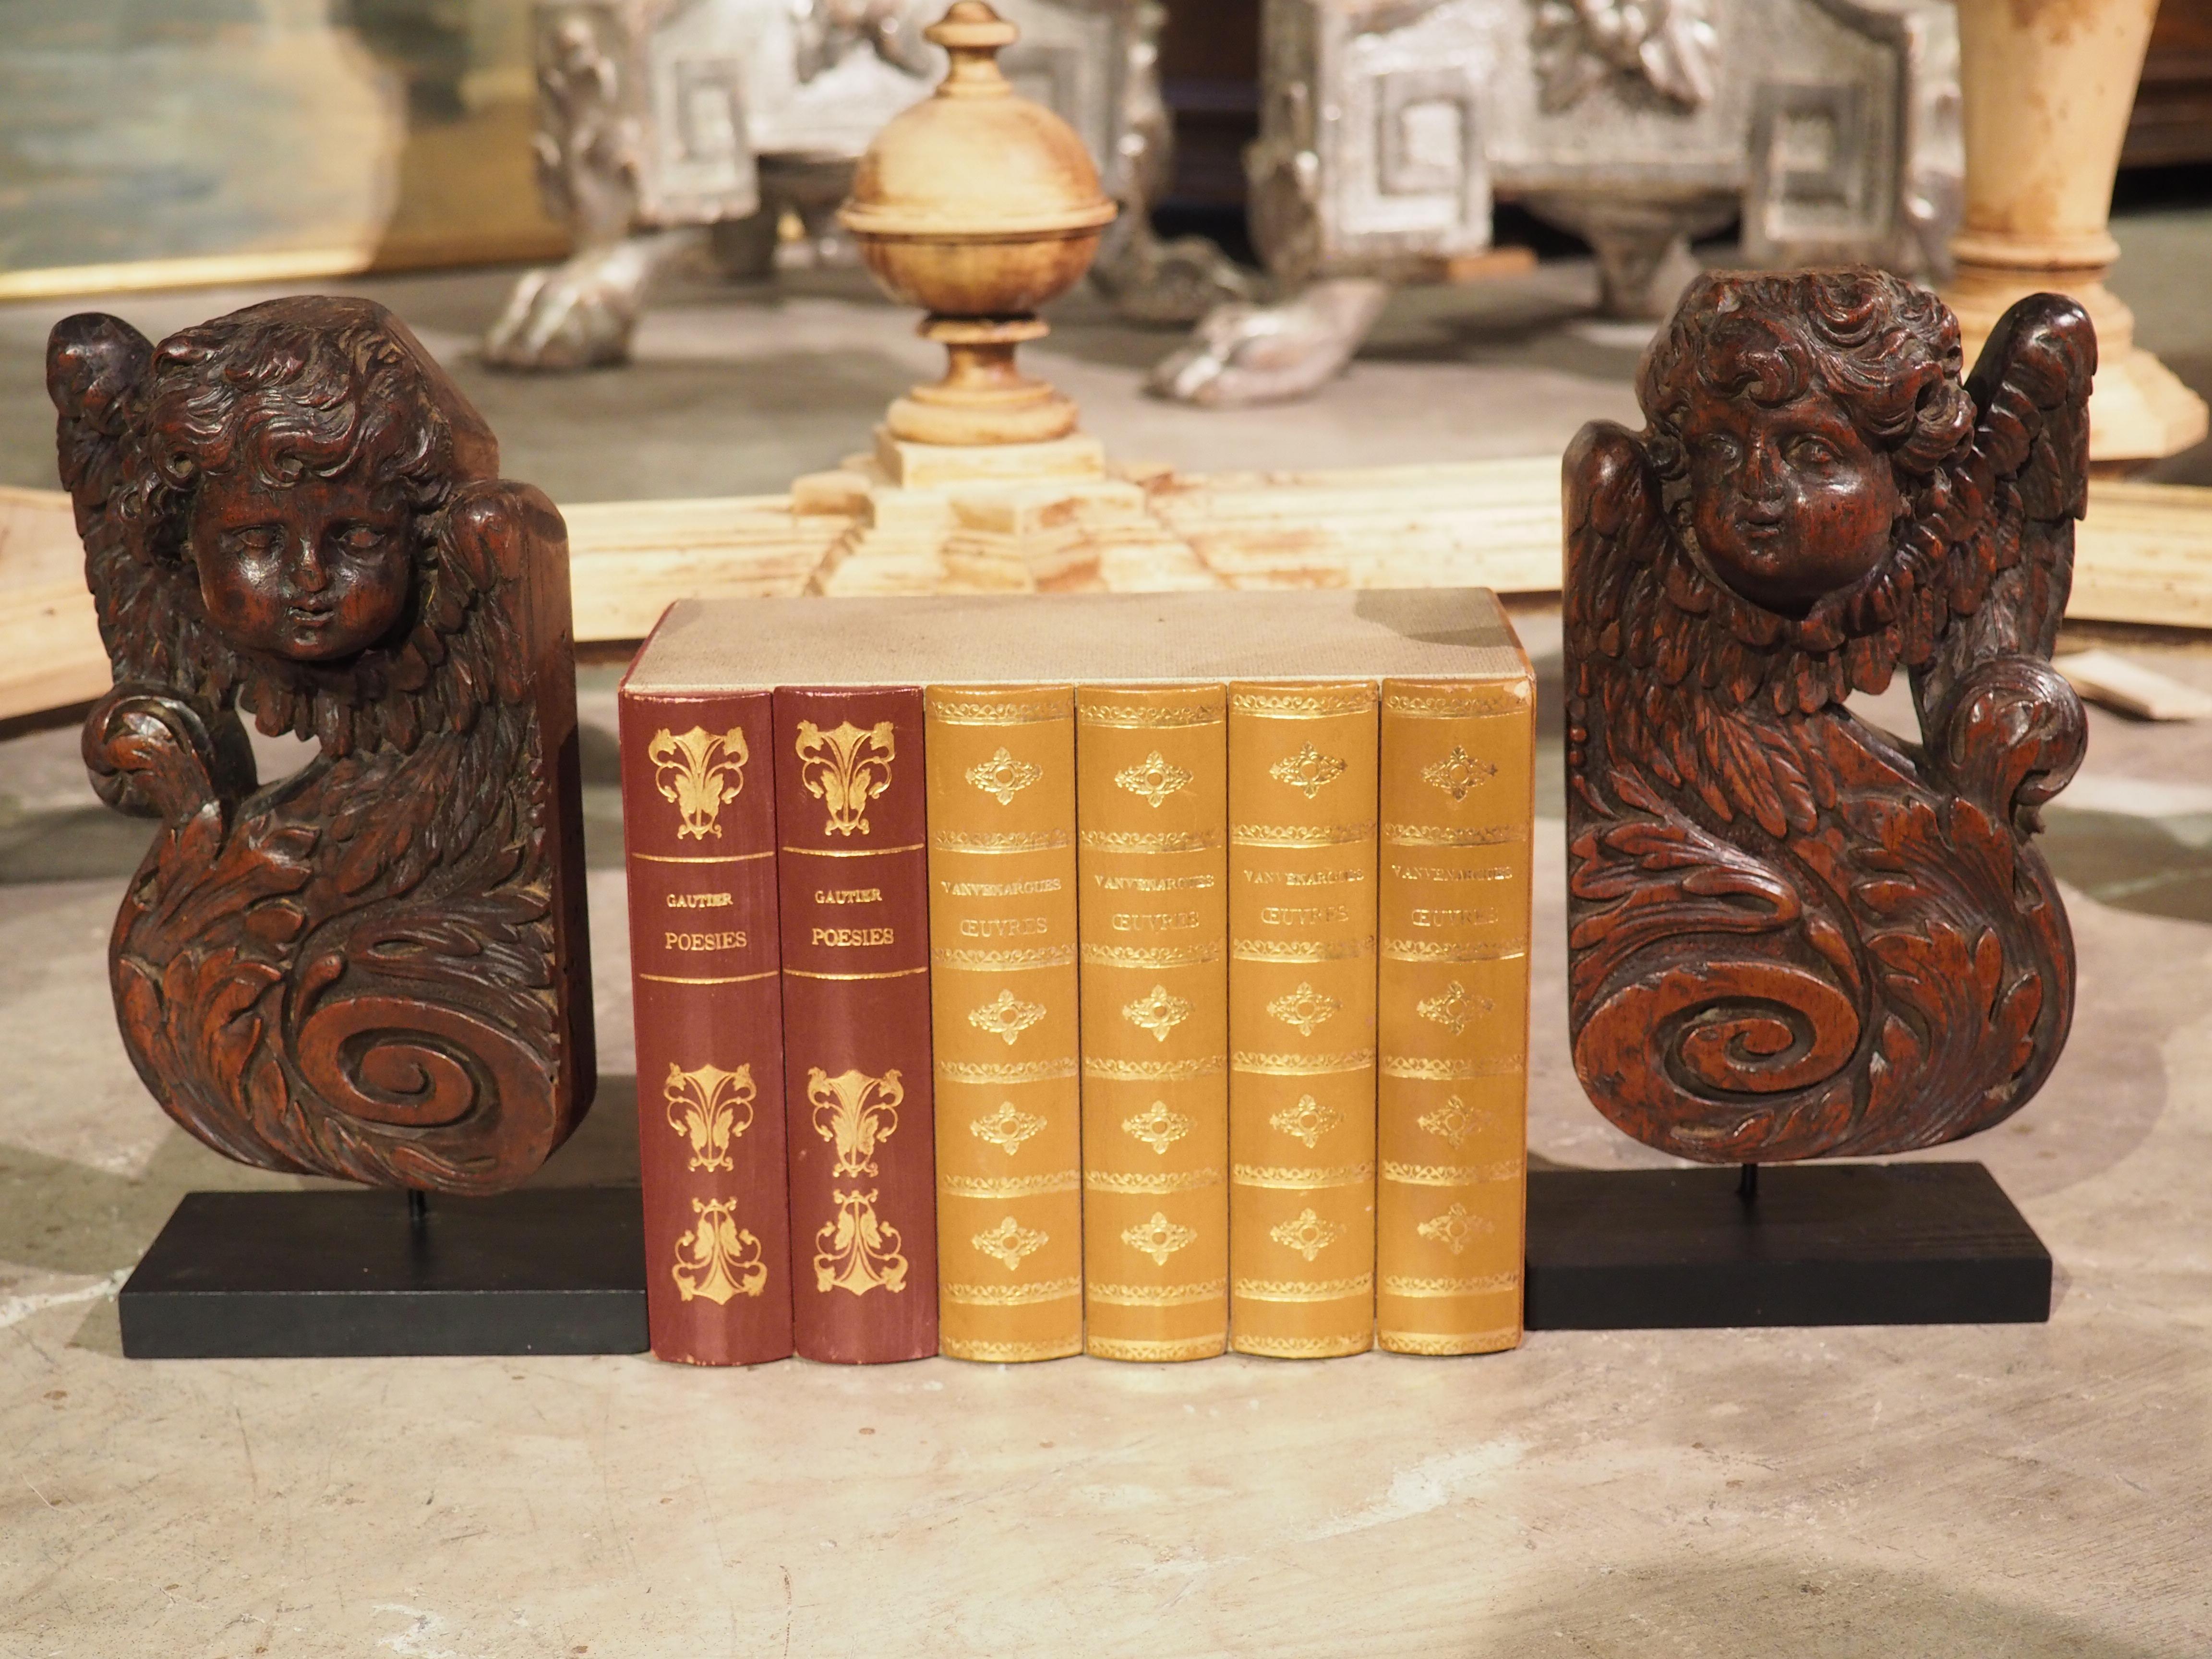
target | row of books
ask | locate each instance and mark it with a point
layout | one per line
(1139, 975)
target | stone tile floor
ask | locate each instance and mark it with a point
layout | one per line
(2030, 1491)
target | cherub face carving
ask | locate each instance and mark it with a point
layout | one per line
(1788, 501)
(313, 571)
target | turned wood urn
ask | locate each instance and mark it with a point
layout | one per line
(980, 206)
(2046, 89)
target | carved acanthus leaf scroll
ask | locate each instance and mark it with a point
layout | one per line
(370, 970)
(1792, 935)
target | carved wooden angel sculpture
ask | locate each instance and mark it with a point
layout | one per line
(375, 969)
(1793, 935)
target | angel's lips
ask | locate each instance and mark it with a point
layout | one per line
(308, 616)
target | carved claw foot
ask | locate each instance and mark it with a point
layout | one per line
(1243, 355)
(581, 314)
(1178, 282)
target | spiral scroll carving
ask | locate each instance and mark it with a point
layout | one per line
(374, 969)
(1792, 934)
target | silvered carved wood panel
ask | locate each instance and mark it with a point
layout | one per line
(1386, 128)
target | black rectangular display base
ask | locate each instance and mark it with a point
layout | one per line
(1819, 1244)
(265, 1275)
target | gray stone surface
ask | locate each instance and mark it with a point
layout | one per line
(2025, 1491)
(2022, 1491)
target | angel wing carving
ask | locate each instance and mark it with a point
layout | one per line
(1792, 934)
(374, 969)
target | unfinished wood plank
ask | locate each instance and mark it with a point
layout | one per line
(2132, 688)
(38, 539)
(1490, 524)
(629, 561)
(2144, 553)
(51, 655)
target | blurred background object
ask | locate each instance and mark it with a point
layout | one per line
(2171, 121)
(2046, 100)
(151, 143)
(1825, 131)
(729, 128)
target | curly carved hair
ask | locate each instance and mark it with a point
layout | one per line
(1888, 352)
(285, 391)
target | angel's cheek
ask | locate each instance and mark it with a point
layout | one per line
(371, 596)
(241, 597)
(1845, 522)
(264, 606)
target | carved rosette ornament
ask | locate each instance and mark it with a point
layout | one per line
(375, 969)
(1792, 934)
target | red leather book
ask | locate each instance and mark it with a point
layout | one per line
(853, 863)
(699, 833)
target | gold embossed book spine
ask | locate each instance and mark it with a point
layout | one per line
(699, 834)
(1452, 1017)
(1003, 988)
(1151, 819)
(853, 866)
(1302, 981)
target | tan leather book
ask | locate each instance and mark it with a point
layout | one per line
(1152, 812)
(1155, 1108)
(1452, 1018)
(1003, 995)
(1302, 982)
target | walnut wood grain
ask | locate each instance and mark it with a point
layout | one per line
(1793, 935)
(375, 969)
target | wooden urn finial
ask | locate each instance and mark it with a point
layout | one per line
(980, 206)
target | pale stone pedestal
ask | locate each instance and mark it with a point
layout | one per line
(2140, 411)
(2047, 89)
(996, 518)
